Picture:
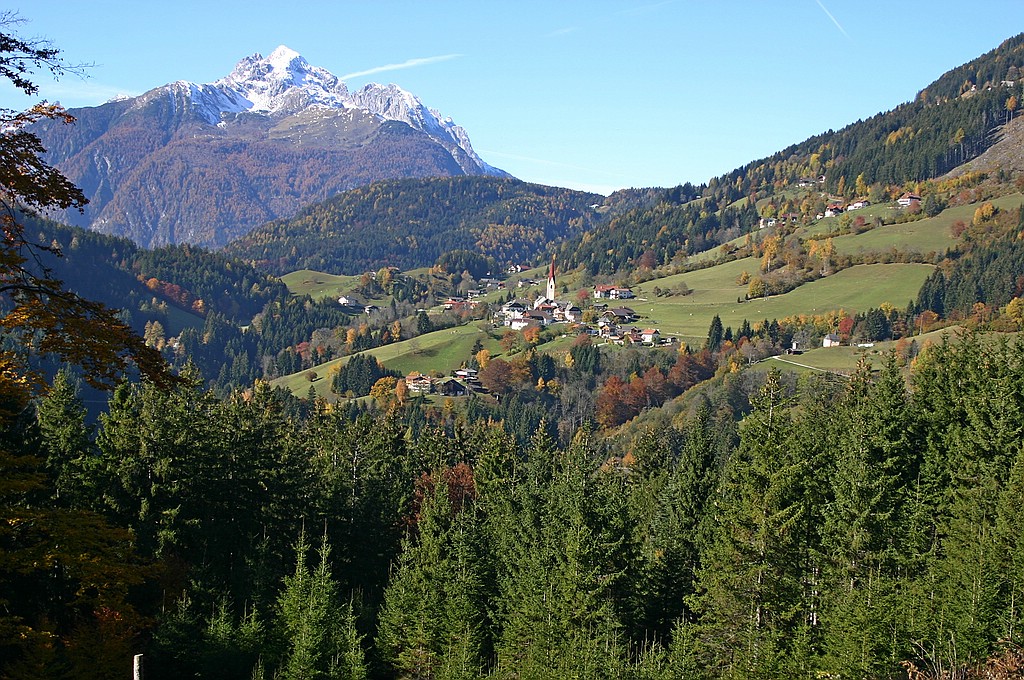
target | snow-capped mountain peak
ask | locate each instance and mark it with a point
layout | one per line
(284, 84)
(284, 57)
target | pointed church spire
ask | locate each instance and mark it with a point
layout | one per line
(551, 280)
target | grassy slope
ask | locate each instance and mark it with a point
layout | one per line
(932, 234)
(319, 285)
(179, 319)
(715, 292)
(441, 351)
(845, 358)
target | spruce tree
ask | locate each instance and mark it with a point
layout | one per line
(318, 631)
(753, 608)
(70, 457)
(433, 621)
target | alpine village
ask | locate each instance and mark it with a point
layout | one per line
(294, 385)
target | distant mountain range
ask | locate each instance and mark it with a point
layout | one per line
(207, 163)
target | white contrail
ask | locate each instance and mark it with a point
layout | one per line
(410, 63)
(834, 20)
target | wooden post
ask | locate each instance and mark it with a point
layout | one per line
(137, 668)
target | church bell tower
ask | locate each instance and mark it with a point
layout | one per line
(551, 280)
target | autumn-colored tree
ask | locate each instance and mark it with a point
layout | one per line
(614, 404)
(401, 391)
(508, 340)
(983, 212)
(649, 260)
(497, 376)
(770, 248)
(1015, 310)
(861, 185)
(383, 391)
(826, 251)
(531, 335)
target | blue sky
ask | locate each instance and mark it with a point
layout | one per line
(595, 95)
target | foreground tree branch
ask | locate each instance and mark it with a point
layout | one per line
(38, 313)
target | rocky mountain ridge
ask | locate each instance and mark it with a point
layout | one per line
(206, 163)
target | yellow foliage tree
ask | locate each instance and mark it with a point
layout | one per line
(383, 391)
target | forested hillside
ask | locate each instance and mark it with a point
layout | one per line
(854, 528)
(189, 303)
(411, 223)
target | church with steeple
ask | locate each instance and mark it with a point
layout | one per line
(548, 299)
(551, 280)
(547, 309)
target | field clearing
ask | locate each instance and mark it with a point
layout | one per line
(830, 225)
(178, 320)
(442, 351)
(319, 285)
(715, 291)
(931, 234)
(923, 236)
(844, 359)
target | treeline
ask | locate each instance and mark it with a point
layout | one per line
(984, 276)
(411, 223)
(853, 528)
(359, 374)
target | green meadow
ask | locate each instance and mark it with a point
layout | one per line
(715, 291)
(931, 234)
(319, 285)
(441, 351)
(178, 320)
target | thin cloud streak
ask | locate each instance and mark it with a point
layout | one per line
(562, 31)
(410, 63)
(834, 20)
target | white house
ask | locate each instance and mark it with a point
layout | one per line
(419, 383)
(907, 198)
(613, 292)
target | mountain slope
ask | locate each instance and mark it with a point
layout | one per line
(411, 223)
(206, 163)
